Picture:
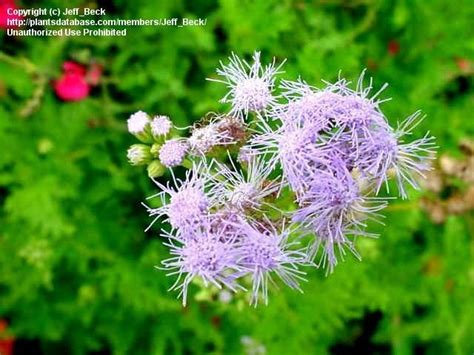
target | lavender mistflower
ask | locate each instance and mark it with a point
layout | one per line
(202, 253)
(297, 150)
(309, 106)
(250, 86)
(185, 204)
(352, 111)
(265, 251)
(244, 189)
(173, 152)
(322, 154)
(226, 220)
(388, 151)
(299, 156)
(360, 110)
(333, 207)
(160, 126)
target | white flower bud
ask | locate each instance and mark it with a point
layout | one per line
(160, 126)
(139, 154)
(139, 125)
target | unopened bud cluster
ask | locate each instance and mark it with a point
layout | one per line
(161, 147)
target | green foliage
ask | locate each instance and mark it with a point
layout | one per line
(76, 269)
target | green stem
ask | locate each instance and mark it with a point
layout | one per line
(23, 63)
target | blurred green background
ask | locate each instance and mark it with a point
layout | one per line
(76, 269)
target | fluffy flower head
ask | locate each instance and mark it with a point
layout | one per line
(333, 207)
(244, 189)
(265, 251)
(173, 152)
(138, 122)
(160, 126)
(202, 253)
(388, 153)
(250, 85)
(187, 203)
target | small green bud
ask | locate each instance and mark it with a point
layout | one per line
(139, 154)
(155, 169)
(145, 136)
(155, 149)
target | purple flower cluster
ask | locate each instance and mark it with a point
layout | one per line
(337, 149)
(214, 236)
(310, 167)
(221, 252)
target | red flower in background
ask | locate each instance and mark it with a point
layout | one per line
(6, 343)
(76, 81)
(4, 16)
(72, 85)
